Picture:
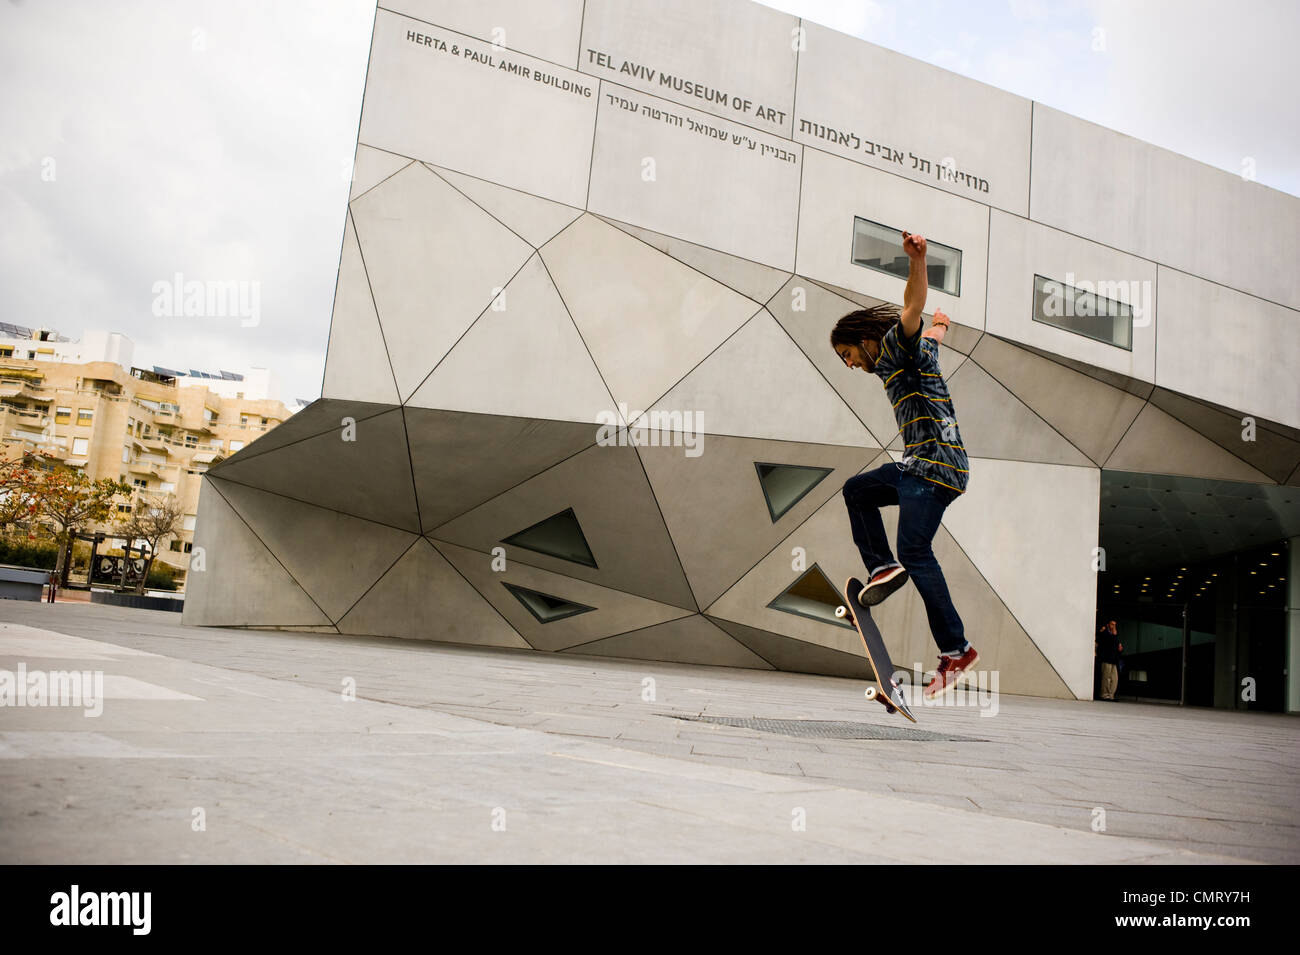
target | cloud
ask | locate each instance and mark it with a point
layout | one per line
(208, 139)
(1205, 80)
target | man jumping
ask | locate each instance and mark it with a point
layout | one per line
(934, 469)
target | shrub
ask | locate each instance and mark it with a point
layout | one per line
(22, 552)
(161, 577)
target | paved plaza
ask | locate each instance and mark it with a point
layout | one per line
(228, 746)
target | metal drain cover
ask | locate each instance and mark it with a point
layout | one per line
(827, 729)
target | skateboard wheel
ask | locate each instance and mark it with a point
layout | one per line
(870, 693)
(841, 611)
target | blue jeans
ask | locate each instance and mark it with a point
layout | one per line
(921, 504)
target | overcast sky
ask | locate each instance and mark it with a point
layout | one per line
(213, 139)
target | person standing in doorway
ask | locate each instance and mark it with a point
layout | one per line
(1108, 650)
(933, 473)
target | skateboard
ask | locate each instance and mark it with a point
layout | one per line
(887, 690)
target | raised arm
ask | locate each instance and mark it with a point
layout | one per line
(938, 326)
(917, 284)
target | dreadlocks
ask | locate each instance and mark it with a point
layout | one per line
(866, 324)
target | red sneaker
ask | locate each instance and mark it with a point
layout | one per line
(949, 672)
(882, 585)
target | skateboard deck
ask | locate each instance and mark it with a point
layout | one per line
(887, 691)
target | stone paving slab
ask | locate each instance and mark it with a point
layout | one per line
(566, 752)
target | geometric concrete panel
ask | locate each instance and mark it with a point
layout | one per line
(720, 44)
(1031, 530)
(372, 166)
(1125, 383)
(606, 488)
(757, 282)
(241, 583)
(1158, 443)
(1230, 348)
(612, 612)
(534, 220)
(647, 318)
(434, 260)
(1146, 211)
(423, 598)
(356, 361)
(333, 557)
(849, 87)
(996, 424)
(1114, 380)
(461, 460)
(691, 639)
(835, 191)
(796, 656)
(808, 312)
(990, 626)
(989, 623)
(525, 359)
(1092, 416)
(716, 183)
(758, 384)
(500, 115)
(362, 470)
(547, 30)
(826, 543)
(1019, 250)
(324, 414)
(717, 496)
(1275, 449)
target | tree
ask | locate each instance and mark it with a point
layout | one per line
(17, 492)
(153, 519)
(67, 501)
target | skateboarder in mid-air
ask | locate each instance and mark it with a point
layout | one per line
(934, 469)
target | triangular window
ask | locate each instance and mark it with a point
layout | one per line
(784, 485)
(557, 536)
(544, 607)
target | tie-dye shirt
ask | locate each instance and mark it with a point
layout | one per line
(923, 407)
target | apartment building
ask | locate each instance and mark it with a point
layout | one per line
(156, 429)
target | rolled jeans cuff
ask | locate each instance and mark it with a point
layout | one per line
(876, 570)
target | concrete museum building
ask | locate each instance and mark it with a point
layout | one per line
(580, 398)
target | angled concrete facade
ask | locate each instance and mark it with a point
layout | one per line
(574, 223)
